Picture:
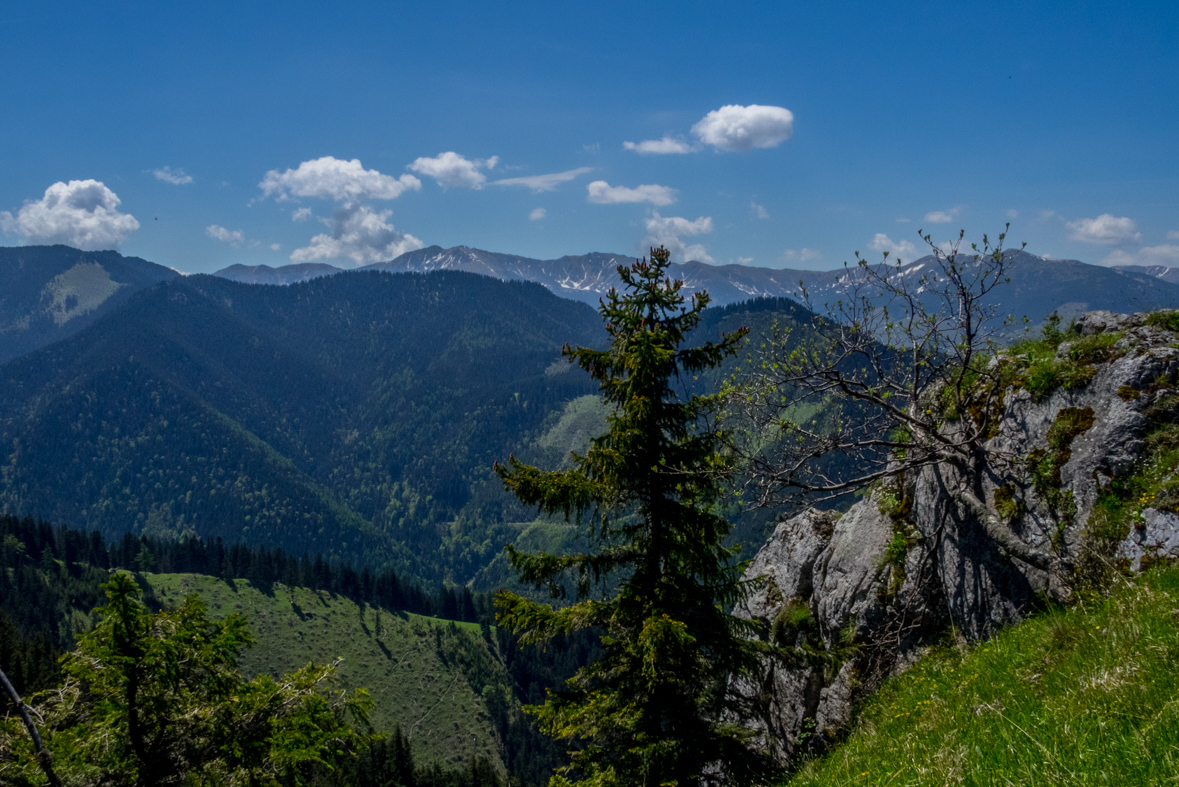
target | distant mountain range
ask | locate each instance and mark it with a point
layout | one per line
(1157, 271)
(1038, 286)
(284, 274)
(50, 292)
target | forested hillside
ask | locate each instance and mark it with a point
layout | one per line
(353, 416)
(442, 680)
(50, 292)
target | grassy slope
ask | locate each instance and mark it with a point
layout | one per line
(1088, 695)
(402, 670)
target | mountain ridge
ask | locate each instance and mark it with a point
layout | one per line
(1041, 284)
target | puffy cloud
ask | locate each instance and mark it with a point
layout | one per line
(537, 214)
(1149, 255)
(335, 179)
(451, 169)
(942, 216)
(177, 177)
(302, 214)
(670, 231)
(1106, 230)
(735, 128)
(801, 255)
(275, 246)
(543, 182)
(602, 193)
(82, 213)
(1173, 235)
(235, 238)
(759, 211)
(360, 234)
(659, 146)
(1013, 213)
(884, 243)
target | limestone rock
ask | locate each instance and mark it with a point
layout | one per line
(876, 606)
(1157, 537)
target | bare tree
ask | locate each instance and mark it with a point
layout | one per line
(899, 372)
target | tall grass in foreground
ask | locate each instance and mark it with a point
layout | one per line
(1085, 695)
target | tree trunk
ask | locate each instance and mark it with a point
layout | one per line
(44, 758)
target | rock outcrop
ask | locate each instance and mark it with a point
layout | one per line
(868, 591)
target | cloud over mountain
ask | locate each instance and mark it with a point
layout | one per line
(1106, 230)
(942, 216)
(1165, 254)
(902, 248)
(451, 169)
(736, 129)
(82, 213)
(602, 193)
(359, 233)
(671, 230)
(235, 238)
(335, 179)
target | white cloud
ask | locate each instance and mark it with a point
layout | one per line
(537, 214)
(543, 182)
(942, 216)
(744, 260)
(451, 169)
(177, 177)
(659, 146)
(593, 149)
(82, 213)
(360, 234)
(602, 193)
(302, 214)
(1106, 229)
(1173, 235)
(903, 221)
(275, 246)
(670, 231)
(759, 210)
(801, 255)
(735, 128)
(335, 179)
(1013, 213)
(884, 243)
(1150, 255)
(235, 238)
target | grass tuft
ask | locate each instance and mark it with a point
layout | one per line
(1081, 696)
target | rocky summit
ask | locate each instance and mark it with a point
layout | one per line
(1078, 477)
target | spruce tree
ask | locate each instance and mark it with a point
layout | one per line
(657, 708)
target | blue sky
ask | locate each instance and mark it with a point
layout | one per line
(228, 132)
